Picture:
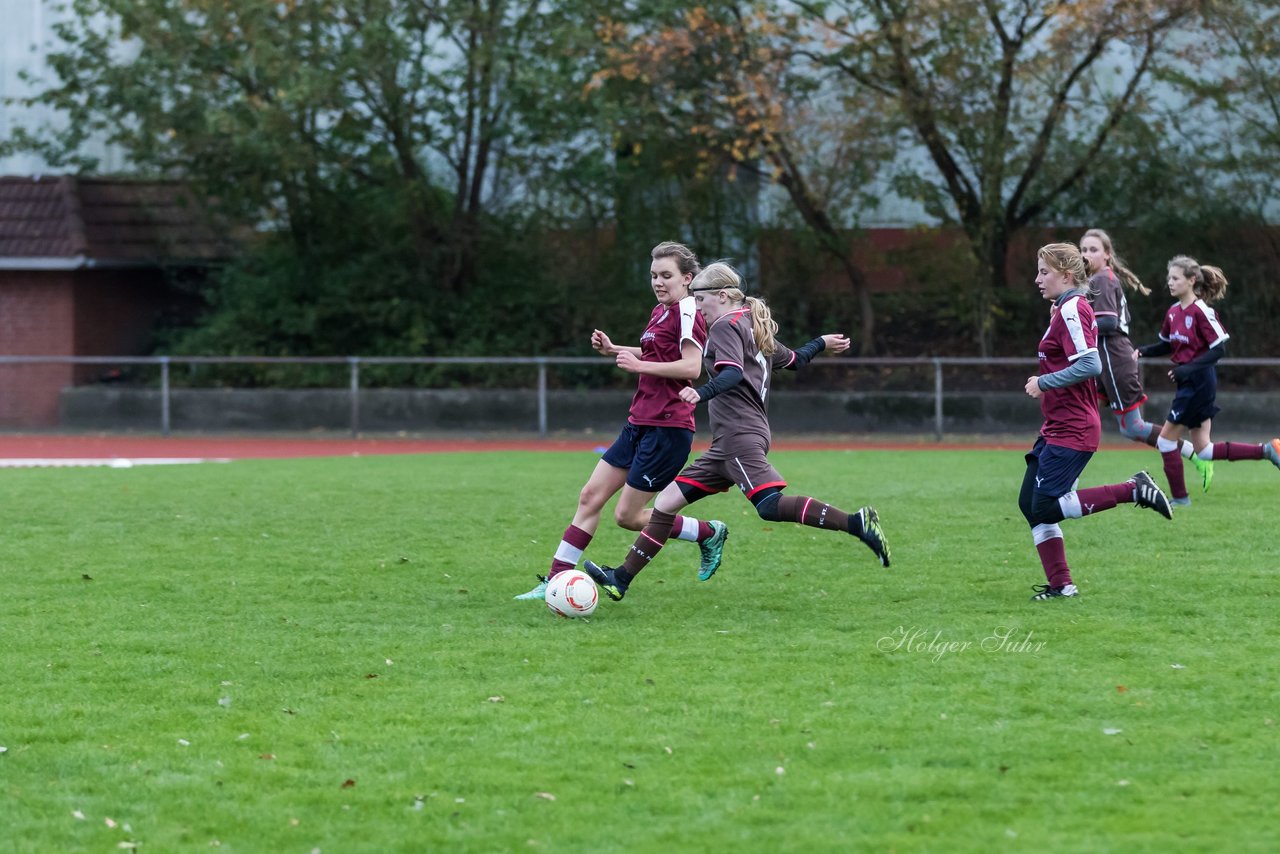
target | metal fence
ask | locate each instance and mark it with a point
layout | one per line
(542, 363)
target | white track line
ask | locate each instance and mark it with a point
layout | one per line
(114, 462)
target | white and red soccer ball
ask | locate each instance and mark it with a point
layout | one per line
(572, 593)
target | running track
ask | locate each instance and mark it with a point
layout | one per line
(60, 447)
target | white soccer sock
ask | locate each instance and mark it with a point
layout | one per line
(1164, 445)
(569, 554)
(1070, 504)
(1187, 450)
(688, 529)
(1041, 533)
(1206, 453)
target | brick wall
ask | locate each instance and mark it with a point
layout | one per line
(36, 319)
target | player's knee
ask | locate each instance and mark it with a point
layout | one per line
(1024, 504)
(1045, 510)
(767, 506)
(1135, 429)
(631, 520)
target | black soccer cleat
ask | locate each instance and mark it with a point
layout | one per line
(1046, 591)
(872, 534)
(1147, 494)
(607, 579)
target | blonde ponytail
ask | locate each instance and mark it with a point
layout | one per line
(762, 323)
(719, 276)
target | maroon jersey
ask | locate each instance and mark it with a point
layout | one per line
(657, 400)
(1191, 330)
(1071, 413)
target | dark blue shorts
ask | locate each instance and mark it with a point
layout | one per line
(1058, 468)
(1194, 402)
(652, 455)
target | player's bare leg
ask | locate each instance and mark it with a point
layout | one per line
(604, 483)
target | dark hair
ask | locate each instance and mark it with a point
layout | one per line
(685, 259)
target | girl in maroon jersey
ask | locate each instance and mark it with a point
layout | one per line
(654, 443)
(1065, 387)
(1194, 337)
(741, 357)
(1121, 381)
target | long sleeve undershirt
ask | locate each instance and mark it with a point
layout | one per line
(1088, 365)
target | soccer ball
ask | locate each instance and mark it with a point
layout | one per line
(572, 594)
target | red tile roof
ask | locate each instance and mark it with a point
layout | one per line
(103, 221)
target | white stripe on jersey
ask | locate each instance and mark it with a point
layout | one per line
(688, 314)
(1069, 311)
(1212, 316)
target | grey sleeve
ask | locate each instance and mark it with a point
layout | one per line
(1088, 365)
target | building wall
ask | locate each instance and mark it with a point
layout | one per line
(26, 38)
(36, 319)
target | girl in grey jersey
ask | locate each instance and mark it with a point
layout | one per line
(740, 357)
(1121, 381)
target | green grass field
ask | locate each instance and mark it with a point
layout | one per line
(324, 654)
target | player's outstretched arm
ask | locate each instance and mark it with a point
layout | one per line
(687, 367)
(602, 344)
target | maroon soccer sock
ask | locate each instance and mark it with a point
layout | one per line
(647, 545)
(702, 533)
(1095, 499)
(572, 545)
(1053, 557)
(1232, 451)
(812, 512)
(1173, 473)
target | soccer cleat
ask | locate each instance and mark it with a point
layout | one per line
(1147, 494)
(539, 592)
(1184, 501)
(1271, 450)
(607, 578)
(873, 535)
(712, 549)
(1205, 469)
(1045, 591)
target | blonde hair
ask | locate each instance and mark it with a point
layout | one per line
(1209, 283)
(1117, 264)
(1065, 258)
(719, 276)
(685, 260)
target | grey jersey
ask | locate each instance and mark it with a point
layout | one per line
(743, 409)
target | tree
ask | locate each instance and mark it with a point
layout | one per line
(738, 83)
(383, 140)
(1231, 118)
(1009, 102)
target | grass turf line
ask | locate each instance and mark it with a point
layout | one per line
(284, 655)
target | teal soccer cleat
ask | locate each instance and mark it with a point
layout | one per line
(712, 550)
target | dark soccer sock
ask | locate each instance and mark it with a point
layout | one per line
(572, 545)
(1095, 499)
(1053, 557)
(1232, 451)
(1173, 472)
(812, 512)
(647, 545)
